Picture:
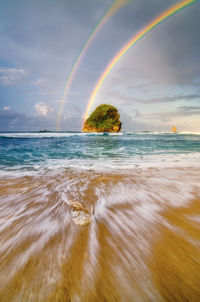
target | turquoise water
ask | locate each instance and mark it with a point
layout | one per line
(33, 151)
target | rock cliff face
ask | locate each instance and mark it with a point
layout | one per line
(105, 118)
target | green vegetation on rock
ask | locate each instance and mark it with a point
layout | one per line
(105, 118)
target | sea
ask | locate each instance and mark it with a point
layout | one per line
(99, 217)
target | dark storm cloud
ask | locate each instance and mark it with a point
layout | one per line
(15, 121)
(179, 112)
(130, 121)
(50, 26)
(186, 110)
(170, 52)
(11, 120)
(138, 15)
(191, 108)
(168, 99)
(44, 38)
(121, 98)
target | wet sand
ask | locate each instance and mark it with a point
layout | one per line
(141, 244)
(175, 260)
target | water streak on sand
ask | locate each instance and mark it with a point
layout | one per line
(120, 255)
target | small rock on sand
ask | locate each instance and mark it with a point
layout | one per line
(81, 218)
(76, 205)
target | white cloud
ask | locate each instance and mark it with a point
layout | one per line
(6, 108)
(38, 82)
(67, 116)
(11, 76)
(43, 109)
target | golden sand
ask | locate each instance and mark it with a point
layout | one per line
(120, 254)
(175, 262)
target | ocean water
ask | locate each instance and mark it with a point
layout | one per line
(95, 217)
(37, 151)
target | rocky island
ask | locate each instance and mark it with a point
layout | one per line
(105, 118)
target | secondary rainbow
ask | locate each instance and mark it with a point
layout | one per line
(167, 13)
(109, 13)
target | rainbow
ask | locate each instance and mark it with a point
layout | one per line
(111, 11)
(169, 12)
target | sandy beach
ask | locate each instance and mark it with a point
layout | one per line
(140, 244)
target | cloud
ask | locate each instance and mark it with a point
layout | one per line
(6, 108)
(161, 99)
(43, 38)
(132, 121)
(12, 76)
(11, 120)
(43, 109)
(188, 110)
(182, 111)
(170, 52)
(38, 82)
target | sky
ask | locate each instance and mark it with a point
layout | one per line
(154, 86)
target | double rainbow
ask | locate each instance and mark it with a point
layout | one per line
(169, 12)
(109, 13)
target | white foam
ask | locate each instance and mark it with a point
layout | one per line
(190, 160)
(46, 134)
(69, 134)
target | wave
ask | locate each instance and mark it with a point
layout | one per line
(70, 134)
(53, 134)
(189, 132)
(137, 163)
(151, 132)
(44, 135)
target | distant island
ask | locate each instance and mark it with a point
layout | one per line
(105, 118)
(44, 130)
